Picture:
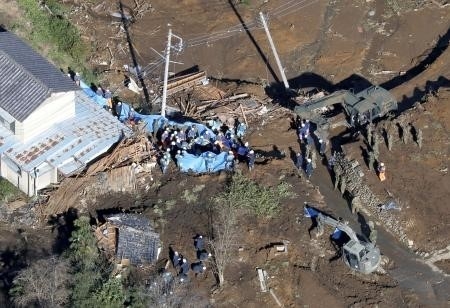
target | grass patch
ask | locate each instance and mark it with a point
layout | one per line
(8, 191)
(189, 196)
(248, 195)
(51, 31)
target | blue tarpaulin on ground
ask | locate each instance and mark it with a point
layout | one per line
(100, 100)
(310, 212)
(206, 162)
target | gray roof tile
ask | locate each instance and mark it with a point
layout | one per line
(26, 78)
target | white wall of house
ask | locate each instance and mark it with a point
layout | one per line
(25, 180)
(57, 108)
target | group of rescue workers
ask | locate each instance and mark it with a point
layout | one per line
(181, 263)
(176, 140)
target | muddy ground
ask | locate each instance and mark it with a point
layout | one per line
(324, 44)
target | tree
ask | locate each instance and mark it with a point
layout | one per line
(83, 245)
(45, 283)
(223, 239)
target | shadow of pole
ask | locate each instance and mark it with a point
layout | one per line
(133, 53)
(252, 39)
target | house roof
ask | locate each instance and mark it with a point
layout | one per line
(26, 78)
(70, 145)
(137, 241)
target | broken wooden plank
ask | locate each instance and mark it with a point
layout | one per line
(262, 280)
(275, 298)
(243, 114)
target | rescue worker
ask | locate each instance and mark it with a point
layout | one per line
(309, 168)
(209, 162)
(299, 161)
(199, 243)
(230, 161)
(203, 255)
(178, 159)
(184, 267)
(216, 149)
(242, 152)
(322, 147)
(176, 259)
(108, 96)
(198, 267)
(381, 172)
(251, 159)
(241, 129)
(77, 78)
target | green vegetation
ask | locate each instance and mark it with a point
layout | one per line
(49, 29)
(246, 194)
(192, 196)
(81, 277)
(8, 191)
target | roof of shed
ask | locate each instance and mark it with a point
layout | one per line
(137, 241)
(26, 78)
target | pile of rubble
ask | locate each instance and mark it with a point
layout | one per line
(27, 214)
(351, 181)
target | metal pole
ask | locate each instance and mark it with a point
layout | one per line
(272, 45)
(166, 73)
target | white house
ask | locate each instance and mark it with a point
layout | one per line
(48, 127)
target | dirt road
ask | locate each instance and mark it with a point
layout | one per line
(412, 274)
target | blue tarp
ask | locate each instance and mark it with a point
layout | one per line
(100, 100)
(310, 212)
(160, 121)
(203, 163)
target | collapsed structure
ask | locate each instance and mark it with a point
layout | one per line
(49, 128)
(129, 238)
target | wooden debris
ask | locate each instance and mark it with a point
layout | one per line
(243, 114)
(262, 279)
(185, 82)
(130, 150)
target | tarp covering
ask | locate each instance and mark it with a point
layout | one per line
(100, 100)
(310, 212)
(206, 162)
(124, 112)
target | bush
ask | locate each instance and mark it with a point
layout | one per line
(246, 194)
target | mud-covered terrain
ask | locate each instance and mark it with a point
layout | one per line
(401, 45)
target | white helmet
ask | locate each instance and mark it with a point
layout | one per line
(381, 164)
(246, 144)
(308, 160)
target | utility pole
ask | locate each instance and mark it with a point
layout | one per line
(166, 69)
(272, 45)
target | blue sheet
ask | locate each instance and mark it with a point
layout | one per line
(100, 100)
(199, 164)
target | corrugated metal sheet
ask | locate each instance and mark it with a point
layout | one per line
(71, 145)
(26, 78)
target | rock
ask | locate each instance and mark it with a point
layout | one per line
(410, 243)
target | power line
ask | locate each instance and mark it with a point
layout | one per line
(281, 11)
